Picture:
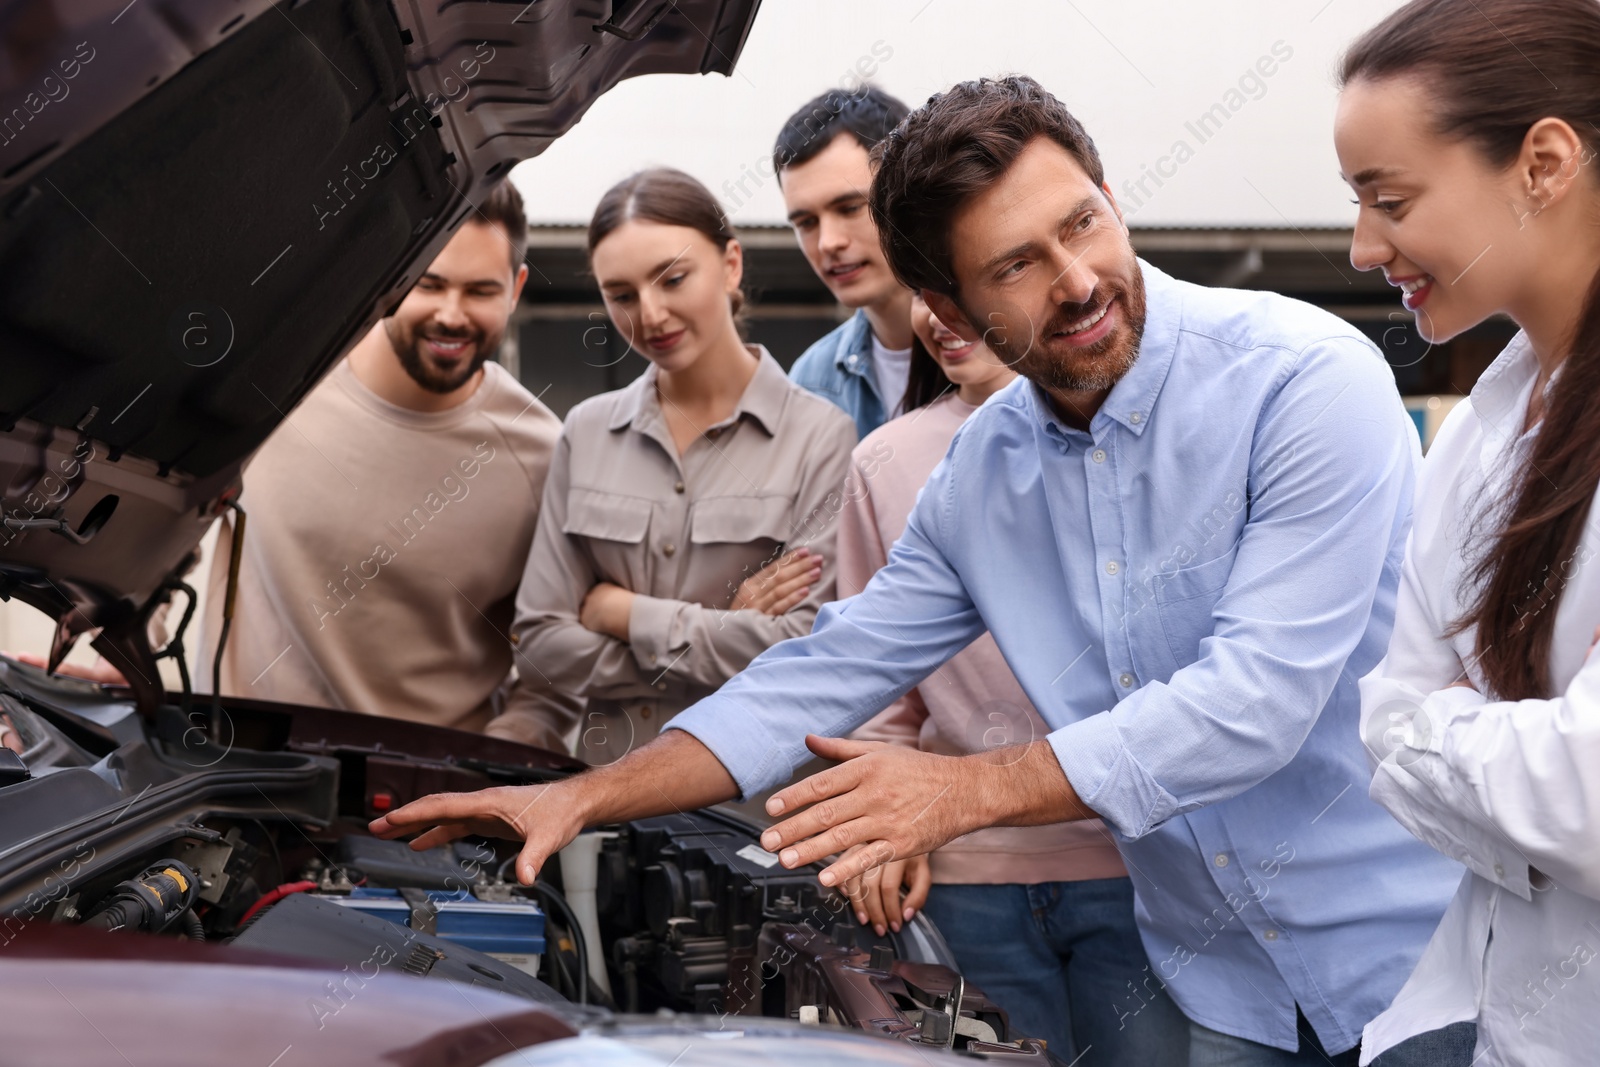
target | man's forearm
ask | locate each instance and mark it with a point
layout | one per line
(673, 773)
(1025, 786)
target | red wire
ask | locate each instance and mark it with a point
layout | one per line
(272, 896)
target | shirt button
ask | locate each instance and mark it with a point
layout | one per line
(668, 549)
(1499, 870)
(516, 639)
(1221, 860)
(1127, 681)
(661, 686)
(1270, 935)
(677, 487)
(1111, 568)
(1099, 455)
(1136, 418)
(644, 713)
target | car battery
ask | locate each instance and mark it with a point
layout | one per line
(511, 931)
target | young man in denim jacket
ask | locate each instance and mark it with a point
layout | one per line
(823, 166)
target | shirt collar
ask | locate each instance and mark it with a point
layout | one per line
(763, 399)
(854, 354)
(1132, 400)
(1500, 396)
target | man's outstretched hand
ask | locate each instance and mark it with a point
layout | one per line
(891, 801)
(673, 773)
(544, 817)
(888, 802)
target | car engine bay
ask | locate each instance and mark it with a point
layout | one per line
(248, 829)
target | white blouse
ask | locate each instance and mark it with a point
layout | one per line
(1511, 789)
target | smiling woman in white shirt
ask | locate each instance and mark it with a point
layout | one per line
(1468, 130)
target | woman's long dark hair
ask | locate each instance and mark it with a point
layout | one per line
(673, 198)
(1494, 68)
(926, 382)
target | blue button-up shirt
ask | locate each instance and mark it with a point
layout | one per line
(838, 367)
(1188, 593)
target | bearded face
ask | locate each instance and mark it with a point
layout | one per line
(1047, 275)
(1058, 359)
(455, 317)
(441, 357)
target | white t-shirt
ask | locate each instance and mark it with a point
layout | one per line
(893, 368)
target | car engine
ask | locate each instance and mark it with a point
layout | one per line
(258, 841)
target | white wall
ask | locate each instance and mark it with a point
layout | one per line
(1134, 72)
(26, 629)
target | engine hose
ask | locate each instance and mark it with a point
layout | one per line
(192, 928)
(559, 902)
(151, 902)
(115, 916)
(554, 897)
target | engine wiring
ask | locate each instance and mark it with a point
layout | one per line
(553, 896)
(272, 896)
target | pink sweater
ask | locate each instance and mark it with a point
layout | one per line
(971, 703)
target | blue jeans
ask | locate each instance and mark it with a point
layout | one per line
(1065, 961)
(1448, 1047)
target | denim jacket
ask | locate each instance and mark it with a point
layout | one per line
(838, 368)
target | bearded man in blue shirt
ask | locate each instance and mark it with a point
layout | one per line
(1183, 527)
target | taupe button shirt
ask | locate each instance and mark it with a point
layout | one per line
(682, 532)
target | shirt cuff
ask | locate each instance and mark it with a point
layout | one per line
(1426, 732)
(740, 741)
(650, 624)
(1107, 777)
(1485, 855)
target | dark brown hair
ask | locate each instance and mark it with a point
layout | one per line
(926, 381)
(1492, 69)
(867, 114)
(671, 197)
(948, 150)
(503, 208)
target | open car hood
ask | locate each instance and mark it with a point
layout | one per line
(203, 204)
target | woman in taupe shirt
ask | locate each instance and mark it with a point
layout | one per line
(689, 518)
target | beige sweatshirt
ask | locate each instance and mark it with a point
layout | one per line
(383, 548)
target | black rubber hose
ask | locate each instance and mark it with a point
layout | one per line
(192, 928)
(559, 902)
(562, 978)
(151, 902)
(173, 649)
(115, 916)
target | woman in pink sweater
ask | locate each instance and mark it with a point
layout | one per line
(1040, 917)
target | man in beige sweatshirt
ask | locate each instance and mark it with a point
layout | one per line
(390, 516)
